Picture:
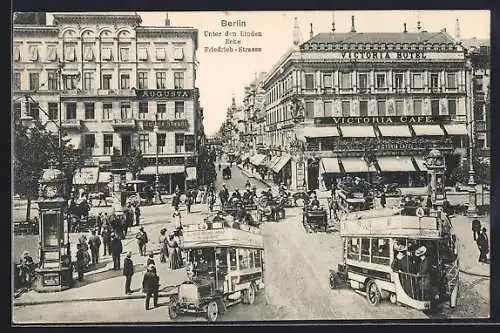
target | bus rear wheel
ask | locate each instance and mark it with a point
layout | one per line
(249, 294)
(373, 293)
(212, 311)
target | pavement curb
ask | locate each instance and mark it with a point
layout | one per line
(474, 273)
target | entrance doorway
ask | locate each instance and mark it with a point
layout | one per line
(126, 144)
(313, 174)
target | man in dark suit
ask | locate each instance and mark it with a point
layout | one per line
(476, 228)
(483, 245)
(150, 285)
(128, 271)
(116, 249)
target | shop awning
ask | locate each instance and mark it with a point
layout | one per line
(420, 163)
(354, 164)
(456, 129)
(86, 176)
(434, 130)
(320, 132)
(272, 161)
(283, 160)
(74, 140)
(104, 177)
(395, 164)
(191, 173)
(257, 159)
(330, 165)
(163, 169)
(357, 131)
(395, 131)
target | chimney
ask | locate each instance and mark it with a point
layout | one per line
(311, 32)
(404, 25)
(353, 29)
(333, 22)
(297, 36)
(419, 26)
(457, 30)
(167, 21)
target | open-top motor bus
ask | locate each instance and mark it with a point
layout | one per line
(371, 245)
(225, 268)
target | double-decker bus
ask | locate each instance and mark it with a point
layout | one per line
(411, 260)
(226, 268)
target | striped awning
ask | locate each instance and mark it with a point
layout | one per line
(283, 160)
(430, 130)
(354, 164)
(257, 159)
(191, 173)
(456, 129)
(357, 131)
(330, 165)
(395, 164)
(163, 169)
(320, 132)
(86, 176)
(272, 161)
(395, 130)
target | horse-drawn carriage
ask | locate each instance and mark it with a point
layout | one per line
(314, 218)
(226, 173)
(355, 195)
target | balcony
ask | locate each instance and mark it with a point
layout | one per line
(97, 92)
(75, 124)
(124, 123)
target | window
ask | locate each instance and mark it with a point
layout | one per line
(481, 141)
(53, 111)
(142, 53)
(125, 81)
(380, 251)
(309, 110)
(160, 53)
(143, 142)
(232, 259)
(89, 143)
(452, 108)
(107, 111)
(381, 108)
(106, 81)
(51, 53)
(34, 81)
(178, 80)
(142, 80)
(179, 110)
(17, 110)
(17, 53)
(417, 81)
(143, 110)
(106, 54)
(34, 111)
(161, 110)
(434, 80)
(400, 108)
(89, 111)
(363, 108)
(70, 81)
(452, 80)
(435, 107)
(88, 80)
(124, 53)
(309, 81)
(162, 142)
(125, 111)
(345, 80)
(398, 81)
(108, 144)
(161, 80)
(346, 108)
(417, 107)
(33, 53)
(479, 112)
(189, 142)
(380, 80)
(70, 111)
(17, 80)
(244, 258)
(365, 249)
(178, 53)
(179, 142)
(70, 54)
(352, 248)
(328, 108)
(327, 81)
(257, 258)
(363, 81)
(88, 53)
(52, 81)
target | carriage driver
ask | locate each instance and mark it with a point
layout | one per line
(314, 201)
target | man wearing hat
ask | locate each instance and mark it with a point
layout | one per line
(423, 270)
(150, 285)
(483, 245)
(94, 244)
(142, 240)
(128, 271)
(116, 249)
(223, 195)
(27, 267)
(401, 263)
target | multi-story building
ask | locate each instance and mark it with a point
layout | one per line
(253, 101)
(361, 103)
(111, 82)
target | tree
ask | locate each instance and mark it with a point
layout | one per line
(482, 171)
(134, 162)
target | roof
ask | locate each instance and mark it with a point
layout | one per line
(220, 236)
(470, 42)
(382, 37)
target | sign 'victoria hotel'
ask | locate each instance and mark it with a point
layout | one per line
(393, 96)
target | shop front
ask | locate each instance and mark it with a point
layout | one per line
(282, 173)
(170, 176)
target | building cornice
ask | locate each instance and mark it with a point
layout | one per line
(35, 30)
(150, 31)
(133, 20)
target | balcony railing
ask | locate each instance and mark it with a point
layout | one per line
(97, 92)
(71, 124)
(124, 123)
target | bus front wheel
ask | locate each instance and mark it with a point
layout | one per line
(373, 293)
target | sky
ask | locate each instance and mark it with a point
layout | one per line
(220, 76)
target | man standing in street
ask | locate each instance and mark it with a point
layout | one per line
(99, 223)
(150, 285)
(142, 240)
(137, 215)
(80, 261)
(128, 271)
(382, 200)
(476, 228)
(94, 244)
(483, 245)
(106, 237)
(116, 250)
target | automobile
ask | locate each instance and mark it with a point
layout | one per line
(315, 218)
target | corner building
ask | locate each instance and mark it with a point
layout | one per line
(366, 104)
(113, 80)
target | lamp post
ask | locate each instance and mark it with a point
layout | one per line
(472, 209)
(157, 175)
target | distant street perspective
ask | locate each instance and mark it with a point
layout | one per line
(351, 182)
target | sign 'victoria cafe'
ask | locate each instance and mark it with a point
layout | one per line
(381, 120)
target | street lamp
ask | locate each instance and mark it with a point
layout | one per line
(157, 175)
(472, 209)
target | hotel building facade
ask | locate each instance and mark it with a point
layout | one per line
(109, 81)
(366, 104)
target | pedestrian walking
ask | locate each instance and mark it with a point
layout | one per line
(476, 228)
(188, 201)
(163, 241)
(94, 244)
(106, 238)
(142, 240)
(116, 250)
(382, 200)
(128, 271)
(80, 261)
(483, 245)
(137, 215)
(99, 223)
(151, 259)
(177, 217)
(150, 286)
